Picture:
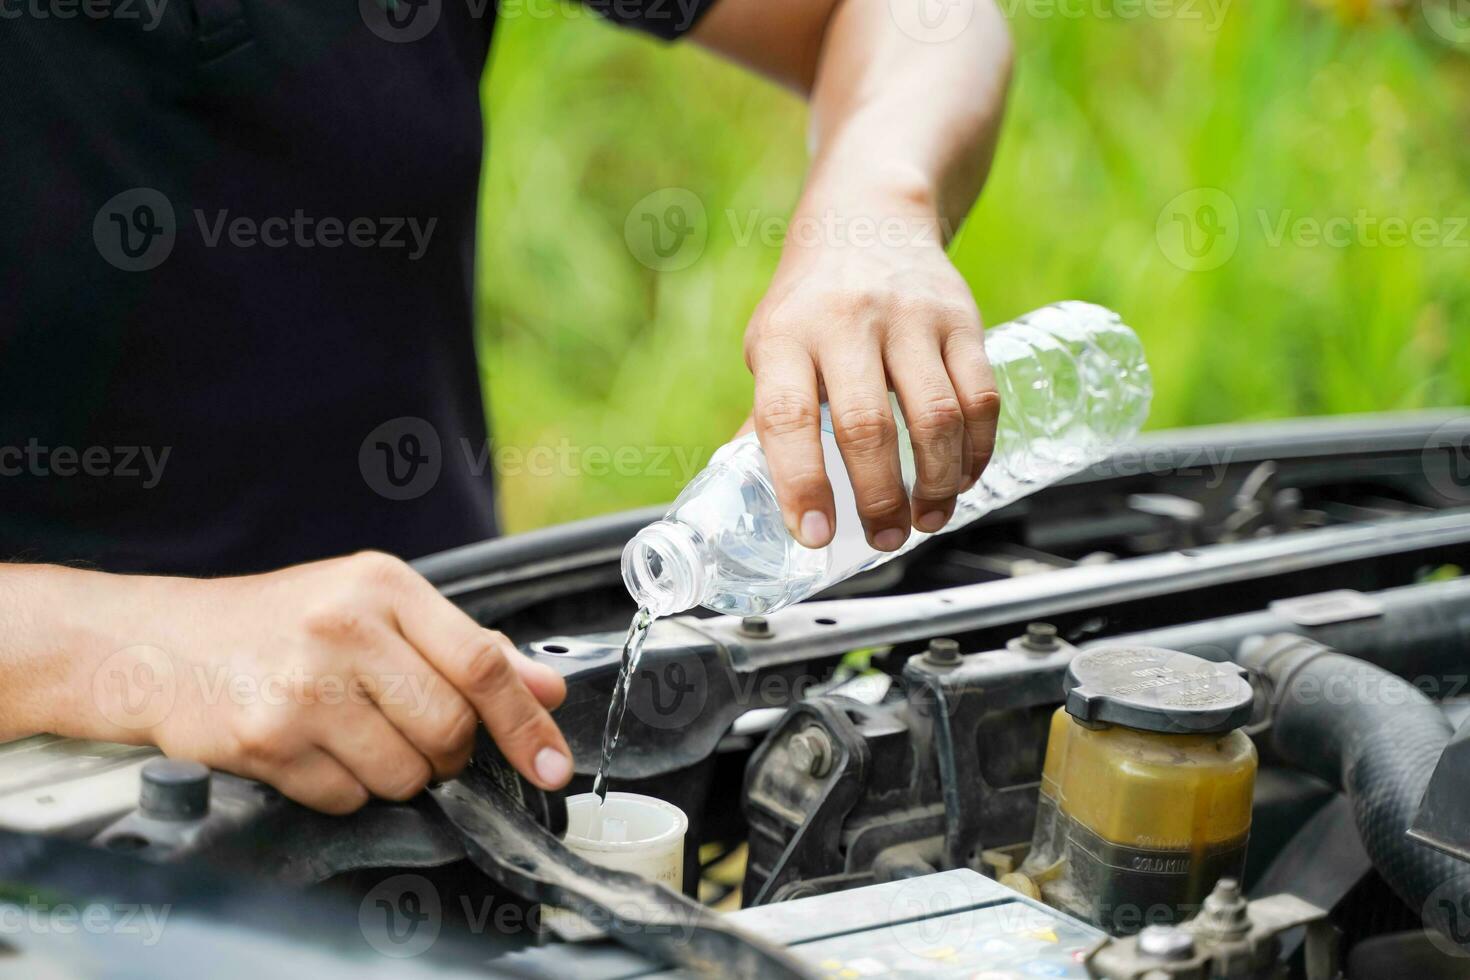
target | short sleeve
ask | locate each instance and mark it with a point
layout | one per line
(668, 19)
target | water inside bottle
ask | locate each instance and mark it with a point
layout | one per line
(632, 653)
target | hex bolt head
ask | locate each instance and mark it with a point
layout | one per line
(811, 751)
(174, 789)
(755, 627)
(1165, 943)
(943, 652)
(1040, 638)
(1225, 914)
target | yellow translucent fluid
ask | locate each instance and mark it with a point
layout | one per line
(1144, 789)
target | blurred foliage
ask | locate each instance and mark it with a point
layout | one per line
(1299, 113)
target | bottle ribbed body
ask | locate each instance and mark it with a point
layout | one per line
(1074, 385)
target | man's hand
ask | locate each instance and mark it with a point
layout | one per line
(332, 681)
(847, 322)
(905, 113)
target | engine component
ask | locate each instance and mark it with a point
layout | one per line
(1377, 738)
(1444, 820)
(1230, 939)
(843, 794)
(1146, 791)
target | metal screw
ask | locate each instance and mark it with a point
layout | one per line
(811, 751)
(1040, 638)
(943, 652)
(1224, 915)
(1165, 943)
(755, 627)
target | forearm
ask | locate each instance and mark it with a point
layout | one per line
(50, 632)
(906, 122)
(905, 111)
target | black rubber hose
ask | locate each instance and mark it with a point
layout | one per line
(1377, 738)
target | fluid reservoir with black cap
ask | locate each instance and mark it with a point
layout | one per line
(1146, 789)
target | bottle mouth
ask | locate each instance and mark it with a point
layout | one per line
(662, 568)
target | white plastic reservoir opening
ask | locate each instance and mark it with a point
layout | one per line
(630, 832)
(626, 824)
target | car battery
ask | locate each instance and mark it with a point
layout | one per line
(953, 924)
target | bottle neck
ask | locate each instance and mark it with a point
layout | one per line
(664, 568)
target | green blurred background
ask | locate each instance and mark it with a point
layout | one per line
(1120, 123)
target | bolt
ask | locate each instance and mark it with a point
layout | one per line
(1040, 638)
(1165, 943)
(943, 652)
(1225, 914)
(811, 751)
(755, 627)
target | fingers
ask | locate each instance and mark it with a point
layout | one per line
(788, 423)
(936, 427)
(483, 666)
(490, 673)
(862, 420)
(549, 687)
(319, 781)
(974, 385)
(420, 704)
(374, 752)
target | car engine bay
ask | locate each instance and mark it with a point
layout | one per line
(989, 713)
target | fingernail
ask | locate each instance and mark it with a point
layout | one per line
(815, 529)
(553, 768)
(889, 539)
(932, 521)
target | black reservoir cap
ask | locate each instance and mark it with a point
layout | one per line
(174, 789)
(1157, 690)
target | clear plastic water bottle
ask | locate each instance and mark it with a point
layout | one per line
(1073, 385)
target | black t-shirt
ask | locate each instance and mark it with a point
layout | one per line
(236, 266)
